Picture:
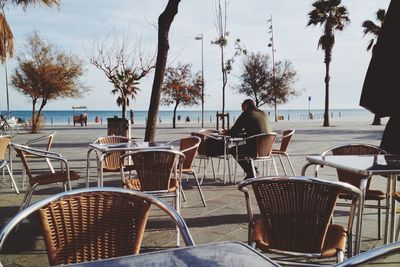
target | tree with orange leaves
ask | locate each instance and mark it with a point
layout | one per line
(181, 87)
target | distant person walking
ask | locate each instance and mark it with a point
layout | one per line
(131, 115)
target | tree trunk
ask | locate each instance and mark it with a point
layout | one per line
(174, 117)
(377, 120)
(327, 78)
(224, 81)
(164, 24)
(276, 111)
(124, 110)
(44, 102)
(33, 126)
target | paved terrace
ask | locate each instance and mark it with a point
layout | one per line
(225, 216)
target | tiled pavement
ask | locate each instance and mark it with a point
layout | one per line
(224, 218)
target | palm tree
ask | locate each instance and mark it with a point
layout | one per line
(371, 28)
(333, 16)
(6, 36)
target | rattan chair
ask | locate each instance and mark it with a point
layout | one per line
(4, 144)
(296, 215)
(159, 172)
(262, 144)
(64, 175)
(202, 154)
(282, 151)
(94, 223)
(111, 161)
(45, 141)
(354, 179)
(189, 146)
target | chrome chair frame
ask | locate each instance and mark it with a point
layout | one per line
(180, 157)
(169, 210)
(267, 158)
(190, 170)
(46, 155)
(370, 255)
(4, 164)
(379, 206)
(342, 186)
(287, 135)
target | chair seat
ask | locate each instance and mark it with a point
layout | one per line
(370, 195)
(126, 168)
(335, 239)
(134, 183)
(58, 176)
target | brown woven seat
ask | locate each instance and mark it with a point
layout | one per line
(134, 183)
(4, 144)
(295, 216)
(64, 176)
(354, 179)
(37, 143)
(94, 223)
(156, 170)
(56, 177)
(189, 147)
(111, 161)
(262, 144)
(282, 151)
(202, 154)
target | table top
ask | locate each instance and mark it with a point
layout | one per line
(365, 165)
(209, 255)
(134, 145)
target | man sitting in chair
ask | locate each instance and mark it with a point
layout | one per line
(252, 121)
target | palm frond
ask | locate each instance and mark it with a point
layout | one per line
(26, 3)
(380, 15)
(6, 39)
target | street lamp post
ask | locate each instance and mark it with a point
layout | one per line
(200, 37)
(271, 44)
(309, 110)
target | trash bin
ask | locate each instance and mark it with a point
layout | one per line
(118, 126)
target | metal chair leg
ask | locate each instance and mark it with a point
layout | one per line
(199, 188)
(290, 164)
(12, 179)
(379, 220)
(283, 165)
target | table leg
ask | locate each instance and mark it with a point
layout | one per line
(393, 210)
(88, 166)
(100, 178)
(363, 187)
(387, 209)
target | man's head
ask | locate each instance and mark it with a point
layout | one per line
(248, 105)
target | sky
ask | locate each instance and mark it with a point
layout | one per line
(75, 25)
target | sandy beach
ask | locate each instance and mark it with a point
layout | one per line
(225, 216)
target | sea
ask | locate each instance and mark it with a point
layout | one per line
(140, 116)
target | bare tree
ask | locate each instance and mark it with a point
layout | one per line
(124, 66)
(164, 23)
(181, 87)
(258, 82)
(45, 73)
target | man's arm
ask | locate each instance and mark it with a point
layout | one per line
(238, 126)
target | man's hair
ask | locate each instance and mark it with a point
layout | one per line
(251, 105)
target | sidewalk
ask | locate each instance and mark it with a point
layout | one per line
(225, 216)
